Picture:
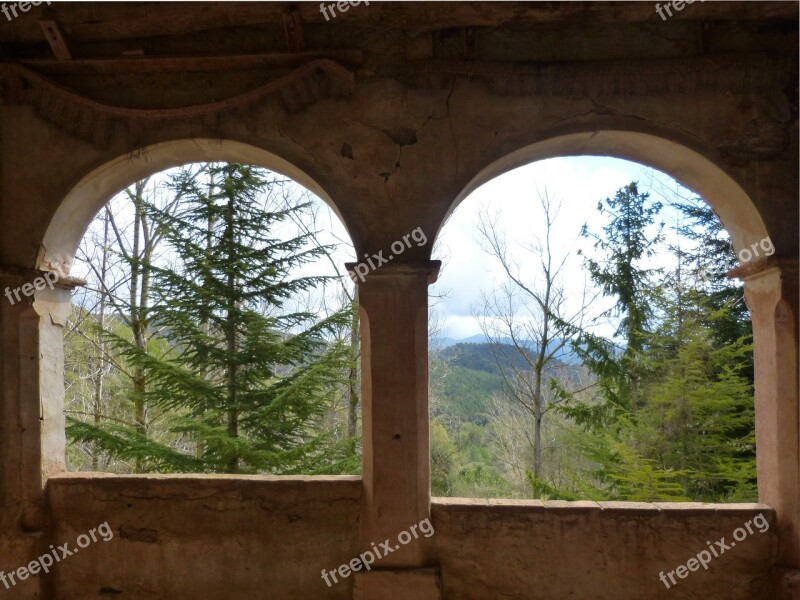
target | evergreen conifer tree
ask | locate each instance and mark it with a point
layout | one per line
(249, 375)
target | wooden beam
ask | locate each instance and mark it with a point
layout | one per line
(470, 43)
(102, 21)
(56, 40)
(150, 64)
(293, 30)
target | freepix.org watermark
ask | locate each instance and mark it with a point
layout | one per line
(343, 6)
(361, 270)
(48, 279)
(366, 559)
(718, 548)
(22, 6)
(45, 561)
(745, 255)
(678, 5)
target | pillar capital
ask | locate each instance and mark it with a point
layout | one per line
(11, 275)
(771, 293)
(393, 272)
(787, 268)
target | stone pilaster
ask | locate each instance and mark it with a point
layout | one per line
(394, 358)
(771, 293)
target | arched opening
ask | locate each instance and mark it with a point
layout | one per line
(87, 197)
(731, 205)
(730, 202)
(273, 241)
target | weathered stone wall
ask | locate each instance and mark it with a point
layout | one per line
(529, 550)
(220, 537)
(394, 141)
(203, 537)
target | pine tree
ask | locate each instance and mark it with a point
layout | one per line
(248, 375)
(687, 433)
(699, 414)
(626, 243)
(708, 262)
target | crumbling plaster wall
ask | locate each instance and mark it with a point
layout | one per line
(392, 157)
(209, 537)
(222, 537)
(529, 550)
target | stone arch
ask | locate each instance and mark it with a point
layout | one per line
(770, 290)
(61, 241)
(730, 202)
(79, 207)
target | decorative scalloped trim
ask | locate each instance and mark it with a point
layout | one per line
(94, 121)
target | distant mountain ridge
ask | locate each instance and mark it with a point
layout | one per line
(443, 343)
(465, 377)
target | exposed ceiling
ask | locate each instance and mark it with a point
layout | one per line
(95, 47)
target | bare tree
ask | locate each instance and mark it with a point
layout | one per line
(528, 320)
(117, 252)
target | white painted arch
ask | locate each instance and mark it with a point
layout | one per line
(84, 201)
(730, 202)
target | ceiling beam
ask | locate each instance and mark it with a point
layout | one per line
(151, 64)
(293, 30)
(98, 21)
(56, 40)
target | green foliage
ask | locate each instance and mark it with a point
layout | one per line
(246, 380)
(125, 443)
(544, 491)
(708, 263)
(689, 432)
(626, 242)
(465, 393)
(699, 416)
(443, 451)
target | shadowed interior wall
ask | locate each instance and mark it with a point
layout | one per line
(209, 537)
(529, 550)
(392, 113)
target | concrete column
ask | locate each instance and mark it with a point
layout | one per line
(394, 369)
(32, 394)
(32, 444)
(771, 292)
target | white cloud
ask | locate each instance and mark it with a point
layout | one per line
(579, 182)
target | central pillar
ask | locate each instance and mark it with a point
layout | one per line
(771, 292)
(393, 304)
(32, 316)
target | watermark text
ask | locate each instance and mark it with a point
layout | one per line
(361, 270)
(367, 558)
(715, 550)
(56, 555)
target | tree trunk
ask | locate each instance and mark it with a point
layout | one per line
(137, 324)
(230, 335)
(352, 376)
(537, 447)
(99, 380)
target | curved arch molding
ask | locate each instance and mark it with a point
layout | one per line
(96, 122)
(90, 194)
(730, 202)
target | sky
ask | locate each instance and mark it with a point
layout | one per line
(578, 183)
(468, 271)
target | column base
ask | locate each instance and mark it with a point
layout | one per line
(398, 584)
